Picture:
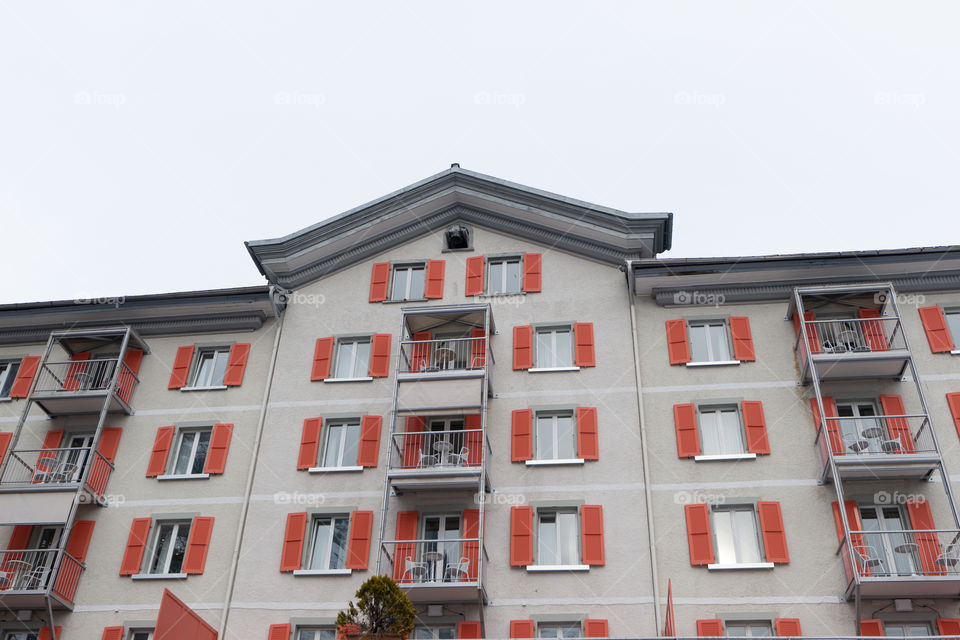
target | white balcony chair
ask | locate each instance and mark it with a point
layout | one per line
(416, 570)
(457, 571)
(6, 579)
(36, 579)
(427, 460)
(65, 472)
(892, 446)
(459, 459)
(859, 446)
(950, 556)
(867, 556)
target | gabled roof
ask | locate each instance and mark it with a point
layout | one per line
(574, 226)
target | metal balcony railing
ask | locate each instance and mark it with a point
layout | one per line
(877, 437)
(431, 451)
(436, 562)
(852, 336)
(43, 468)
(31, 571)
(84, 376)
(905, 554)
(434, 356)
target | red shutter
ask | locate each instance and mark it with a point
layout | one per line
(474, 439)
(591, 530)
(369, 449)
(755, 426)
(161, 448)
(787, 626)
(70, 381)
(929, 545)
(469, 629)
(478, 348)
(45, 633)
(5, 437)
(112, 633)
(413, 444)
(219, 446)
(80, 539)
(774, 533)
(407, 525)
(811, 331)
(279, 632)
(710, 628)
(678, 345)
(51, 442)
(583, 339)
(688, 435)
(899, 428)
(309, 443)
(136, 543)
(291, 557)
(953, 401)
(236, 365)
(832, 426)
(434, 286)
(872, 627)
(471, 548)
(856, 539)
(521, 536)
(380, 355)
(588, 445)
(596, 628)
(322, 356)
(522, 628)
(109, 442)
(949, 627)
(358, 551)
(19, 540)
(532, 272)
(522, 347)
(421, 352)
(873, 331)
(474, 286)
(521, 440)
(379, 281)
(699, 539)
(935, 325)
(181, 367)
(198, 544)
(21, 384)
(742, 339)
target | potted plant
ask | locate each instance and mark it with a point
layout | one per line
(382, 611)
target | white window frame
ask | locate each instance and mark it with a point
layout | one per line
(341, 424)
(575, 564)
(738, 537)
(553, 329)
(542, 626)
(712, 358)
(193, 452)
(501, 288)
(315, 523)
(890, 626)
(8, 375)
(720, 409)
(364, 371)
(554, 417)
(158, 526)
(954, 335)
(410, 268)
(747, 630)
(316, 632)
(202, 353)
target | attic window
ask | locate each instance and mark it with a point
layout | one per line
(456, 238)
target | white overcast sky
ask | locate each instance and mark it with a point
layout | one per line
(142, 142)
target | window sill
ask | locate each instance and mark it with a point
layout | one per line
(547, 463)
(483, 296)
(725, 456)
(185, 476)
(7, 399)
(551, 369)
(955, 352)
(405, 300)
(367, 379)
(159, 576)
(535, 568)
(333, 469)
(714, 363)
(740, 567)
(219, 387)
(323, 572)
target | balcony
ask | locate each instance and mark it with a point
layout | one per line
(878, 447)
(902, 564)
(439, 460)
(55, 470)
(433, 571)
(29, 576)
(80, 386)
(851, 348)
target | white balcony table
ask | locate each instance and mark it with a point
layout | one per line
(872, 432)
(906, 547)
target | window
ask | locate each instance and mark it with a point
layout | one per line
(503, 275)
(907, 629)
(169, 547)
(860, 429)
(8, 373)
(952, 317)
(554, 347)
(736, 533)
(329, 548)
(558, 630)
(885, 525)
(210, 367)
(556, 436)
(749, 629)
(353, 358)
(192, 445)
(409, 282)
(709, 341)
(434, 633)
(21, 635)
(342, 444)
(720, 431)
(316, 633)
(141, 634)
(558, 536)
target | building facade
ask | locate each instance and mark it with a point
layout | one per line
(503, 399)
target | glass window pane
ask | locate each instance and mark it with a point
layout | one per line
(545, 449)
(495, 274)
(164, 540)
(953, 324)
(321, 544)
(422, 633)
(731, 435)
(760, 629)
(418, 281)
(345, 359)
(564, 355)
(547, 552)
(710, 432)
(548, 631)
(200, 457)
(446, 633)
(362, 361)
(512, 277)
(7, 376)
(736, 630)
(331, 455)
(544, 349)
(569, 538)
(338, 553)
(326, 634)
(570, 630)
(698, 343)
(183, 455)
(204, 369)
(566, 438)
(723, 527)
(746, 536)
(179, 548)
(220, 367)
(400, 277)
(351, 445)
(718, 342)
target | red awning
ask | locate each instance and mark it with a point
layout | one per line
(177, 621)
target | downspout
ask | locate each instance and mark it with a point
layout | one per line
(647, 492)
(255, 454)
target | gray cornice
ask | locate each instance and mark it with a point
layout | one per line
(597, 232)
